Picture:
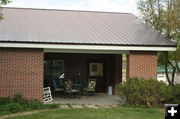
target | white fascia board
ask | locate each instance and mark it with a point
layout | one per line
(86, 47)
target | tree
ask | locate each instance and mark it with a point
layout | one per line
(3, 2)
(164, 15)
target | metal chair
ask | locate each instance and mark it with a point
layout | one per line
(91, 87)
(78, 84)
(69, 91)
(58, 88)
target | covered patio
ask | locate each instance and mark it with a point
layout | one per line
(107, 68)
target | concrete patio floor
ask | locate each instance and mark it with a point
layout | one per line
(98, 99)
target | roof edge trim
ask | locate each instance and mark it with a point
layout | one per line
(67, 10)
(86, 47)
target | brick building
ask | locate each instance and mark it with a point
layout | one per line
(37, 44)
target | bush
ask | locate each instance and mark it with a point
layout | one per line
(52, 106)
(19, 99)
(19, 104)
(4, 101)
(36, 105)
(176, 92)
(13, 107)
(148, 92)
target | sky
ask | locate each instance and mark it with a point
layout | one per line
(125, 6)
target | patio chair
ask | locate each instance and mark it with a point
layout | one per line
(69, 92)
(78, 84)
(58, 85)
(91, 87)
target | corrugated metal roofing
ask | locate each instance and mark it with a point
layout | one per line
(77, 27)
(169, 69)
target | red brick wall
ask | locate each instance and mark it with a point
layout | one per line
(142, 64)
(21, 71)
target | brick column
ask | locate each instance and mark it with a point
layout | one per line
(142, 64)
(21, 71)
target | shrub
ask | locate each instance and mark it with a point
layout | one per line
(148, 92)
(4, 101)
(36, 105)
(13, 107)
(176, 92)
(19, 99)
(19, 104)
(52, 106)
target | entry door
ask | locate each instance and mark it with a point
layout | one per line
(96, 71)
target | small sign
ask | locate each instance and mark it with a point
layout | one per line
(47, 97)
(172, 111)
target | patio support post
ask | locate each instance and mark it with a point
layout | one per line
(118, 72)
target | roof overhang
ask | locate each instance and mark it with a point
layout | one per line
(69, 48)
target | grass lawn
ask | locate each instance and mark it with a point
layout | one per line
(111, 113)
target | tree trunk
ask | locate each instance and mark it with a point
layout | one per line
(176, 65)
(166, 68)
(173, 74)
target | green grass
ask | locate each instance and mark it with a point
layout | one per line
(111, 113)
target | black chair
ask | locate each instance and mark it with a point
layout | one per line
(78, 83)
(69, 92)
(58, 85)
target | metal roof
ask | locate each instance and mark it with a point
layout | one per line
(77, 27)
(169, 69)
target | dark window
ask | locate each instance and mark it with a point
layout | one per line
(58, 68)
(53, 69)
(96, 69)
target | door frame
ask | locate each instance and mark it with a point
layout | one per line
(95, 77)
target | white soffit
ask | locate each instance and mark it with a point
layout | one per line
(85, 48)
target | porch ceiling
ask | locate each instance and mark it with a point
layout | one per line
(90, 51)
